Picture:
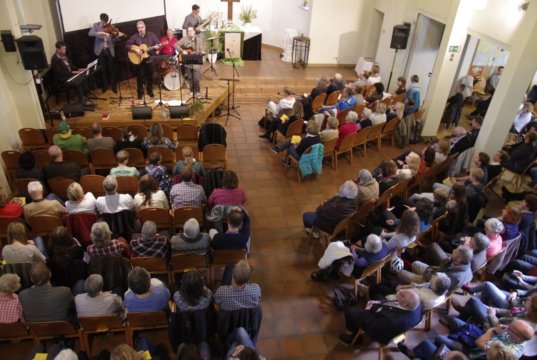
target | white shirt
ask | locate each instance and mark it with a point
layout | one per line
(86, 206)
(373, 79)
(111, 204)
(374, 117)
(521, 120)
(158, 199)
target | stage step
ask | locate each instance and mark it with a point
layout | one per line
(252, 91)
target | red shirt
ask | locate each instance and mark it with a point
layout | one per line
(345, 130)
(167, 49)
(224, 196)
(11, 210)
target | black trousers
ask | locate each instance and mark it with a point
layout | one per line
(108, 69)
(144, 73)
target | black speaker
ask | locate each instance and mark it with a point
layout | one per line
(32, 52)
(73, 110)
(8, 40)
(179, 112)
(400, 36)
(142, 112)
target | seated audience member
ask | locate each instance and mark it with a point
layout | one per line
(65, 260)
(40, 205)
(332, 211)
(149, 242)
(410, 107)
(95, 301)
(66, 140)
(307, 101)
(230, 193)
(103, 244)
(331, 131)
(240, 294)
(286, 102)
(346, 102)
(145, 293)
(511, 337)
(457, 211)
(431, 294)
(193, 351)
(242, 346)
(377, 94)
(19, 248)
(440, 199)
(156, 138)
(401, 86)
(457, 269)
(348, 127)
(424, 208)
(441, 149)
(149, 195)
(478, 243)
(452, 111)
(190, 240)
(158, 171)
(384, 321)
(99, 141)
(10, 307)
(406, 232)
(43, 302)
(413, 90)
(78, 201)
(337, 83)
(468, 140)
(188, 159)
(27, 168)
(113, 202)
(125, 352)
(59, 168)
(374, 75)
(373, 118)
(122, 157)
(388, 175)
(395, 111)
(493, 229)
(187, 193)
(522, 155)
(9, 209)
(368, 187)
(192, 295)
(459, 133)
(522, 118)
(296, 150)
(128, 140)
(237, 235)
(496, 163)
(511, 217)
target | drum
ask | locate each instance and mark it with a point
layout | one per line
(173, 79)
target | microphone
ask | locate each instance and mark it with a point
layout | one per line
(229, 51)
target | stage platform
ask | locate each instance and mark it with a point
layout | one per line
(120, 115)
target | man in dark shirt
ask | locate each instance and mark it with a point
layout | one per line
(144, 71)
(312, 137)
(237, 234)
(59, 168)
(63, 69)
(469, 139)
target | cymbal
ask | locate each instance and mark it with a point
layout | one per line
(213, 38)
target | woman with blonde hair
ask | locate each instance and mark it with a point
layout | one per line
(19, 248)
(188, 159)
(78, 201)
(125, 352)
(156, 138)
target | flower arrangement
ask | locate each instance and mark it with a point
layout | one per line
(247, 14)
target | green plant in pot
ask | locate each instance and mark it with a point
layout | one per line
(247, 14)
(196, 107)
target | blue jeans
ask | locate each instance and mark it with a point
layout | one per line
(491, 295)
(425, 350)
(40, 245)
(476, 309)
(291, 150)
(238, 337)
(453, 324)
(204, 349)
(309, 218)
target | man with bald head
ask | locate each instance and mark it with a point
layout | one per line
(336, 84)
(59, 168)
(512, 336)
(382, 322)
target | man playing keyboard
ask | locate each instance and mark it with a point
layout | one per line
(63, 69)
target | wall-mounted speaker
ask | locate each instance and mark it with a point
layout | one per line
(400, 36)
(8, 41)
(142, 112)
(179, 112)
(32, 52)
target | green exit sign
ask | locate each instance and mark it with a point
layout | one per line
(454, 48)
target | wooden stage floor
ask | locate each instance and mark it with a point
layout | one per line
(121, 115)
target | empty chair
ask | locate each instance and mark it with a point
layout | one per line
(361, 139)
(93, 184)
(318, 102)
(329, 151)
(168, 131)
(389, 130)
(11, 160)
(333, 98)
(375, 135)
(346, 146)
(33, 139)
(59, 186)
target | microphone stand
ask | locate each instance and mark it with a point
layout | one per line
(231, 94)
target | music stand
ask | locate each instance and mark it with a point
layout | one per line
(88, 72)
(232, 93)
(212, 52)
(191, 60)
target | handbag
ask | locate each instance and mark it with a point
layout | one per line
(467, 335)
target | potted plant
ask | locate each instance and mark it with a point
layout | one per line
(247, 14)
(196, 107)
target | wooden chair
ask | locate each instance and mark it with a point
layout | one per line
(59, 186)
(359, 108)
(33, 139)
(214, 156)
(360, 217)
(398, 98)
(47, 330)
(168, 131)
(113, 132)
(369, 91)
(93, 184)
(96, 325)
(389, 130)
(84, 131)
(318, 102)
(43, 225)
(139, 130)
(382, 347)
(14, 332)
(156, 266)
(184, 213)
(295, 128)
(183, 262)
(102, 159)
(387, 101)
(127, 185)
(160, 216)
(329, 151)
(361, 139)
(11, 160)
(221, 258)
(333, 98)
(375, 270)
(21, 185)
(187, 133)
(345, 146)
(517, 176)
(4, 223)
(294, 163)
(166, 155)
(375, 135)
(76, 156)
(136, 157)
(141, 321)
(341, 116)
(50, 132)
(41, 157)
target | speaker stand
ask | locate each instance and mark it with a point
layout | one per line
(391, 71)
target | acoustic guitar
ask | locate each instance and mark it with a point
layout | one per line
(211, 17)
(137, 59)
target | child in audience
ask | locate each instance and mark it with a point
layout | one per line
(122, 169)
(159, 172)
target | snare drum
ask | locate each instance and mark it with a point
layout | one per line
(173, 79)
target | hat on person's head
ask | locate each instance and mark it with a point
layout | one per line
(365, 176)
(64, 130)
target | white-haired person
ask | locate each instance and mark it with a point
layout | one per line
(368, 187)
(10, 307)
(191, 240)
(78, 201)
(431, 294)
(493, 230)
(296, 150)
(331, 131)
(103, 244)
(113, 202)
(332, 211)
(95, 301)
(41, 205)
(347, 101)
(372, 118)
(149, 242)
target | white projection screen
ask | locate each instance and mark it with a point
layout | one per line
(81, 14)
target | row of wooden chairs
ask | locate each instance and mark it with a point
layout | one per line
(32, 138)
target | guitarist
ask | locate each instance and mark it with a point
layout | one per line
(193, 19)
(144, 71)
(191, 44)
